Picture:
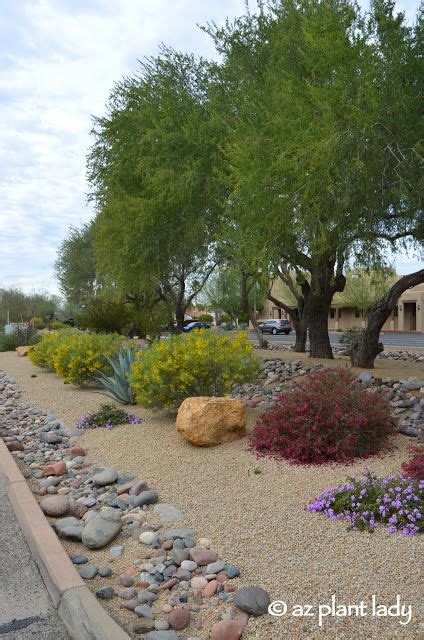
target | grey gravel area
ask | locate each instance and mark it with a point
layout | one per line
(26, 610)
(255, 520)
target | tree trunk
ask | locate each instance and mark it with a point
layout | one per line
(302, 329)
(179, 317)
(324, 285)
(299, 316)
(318, 309)
(364, 353)
(179, 301)
(249, 311)
(300, 324)
(301, 336)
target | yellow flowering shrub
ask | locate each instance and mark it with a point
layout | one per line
(199, 363)
(41, 354)
(74, 355)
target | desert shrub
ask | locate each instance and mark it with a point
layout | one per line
(55, 325)
(199, 363)
(243, 318)
(367, 501)
(104, 316)
(107, 416)
(8, 342)
(38, 323)
(42, 353)
(205, 317)
(351, 337)
(80, 356)
(414, 468)
(147, 322)
(228, 326)
(76, 356)
(326, 417)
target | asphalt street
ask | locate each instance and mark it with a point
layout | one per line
(394, 340)
(26, 610)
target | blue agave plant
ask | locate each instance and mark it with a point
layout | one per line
(118, 385)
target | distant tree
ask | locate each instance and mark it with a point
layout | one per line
(75, 266)
(364, 288)
(224, 291)
(13, 305)
(18, 306)
(206, 317)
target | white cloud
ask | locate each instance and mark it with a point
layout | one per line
(58, 62)
(60, 72)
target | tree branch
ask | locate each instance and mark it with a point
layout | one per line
(201, 285)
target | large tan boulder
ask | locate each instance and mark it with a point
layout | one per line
(22, 351)
(209, 421)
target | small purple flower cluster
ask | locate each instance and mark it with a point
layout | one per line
(368, 501)
(107, 417)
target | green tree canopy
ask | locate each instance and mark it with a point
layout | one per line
(323, 148)
(152, 172)
(75, 266)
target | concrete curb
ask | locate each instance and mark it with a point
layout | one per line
(82, 615)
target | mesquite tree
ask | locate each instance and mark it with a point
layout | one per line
(152, 172)
(321, 148)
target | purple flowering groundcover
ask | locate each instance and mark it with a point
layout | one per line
(367, 501)
(108, 416)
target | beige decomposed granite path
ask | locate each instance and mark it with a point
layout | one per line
(257, 522)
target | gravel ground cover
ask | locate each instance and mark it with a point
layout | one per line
(254, 520)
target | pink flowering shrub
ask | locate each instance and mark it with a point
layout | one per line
(327, 417)
(414, 468)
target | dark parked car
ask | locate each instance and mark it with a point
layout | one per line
(196, 325)
(276, 326)
(174, 324)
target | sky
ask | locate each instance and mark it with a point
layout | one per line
(59, 60)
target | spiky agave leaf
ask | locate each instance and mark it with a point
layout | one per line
(118, 386)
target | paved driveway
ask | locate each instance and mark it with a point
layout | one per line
(26, 610)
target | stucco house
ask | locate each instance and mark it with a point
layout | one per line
(407, 316)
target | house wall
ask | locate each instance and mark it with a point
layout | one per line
(408, 315)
